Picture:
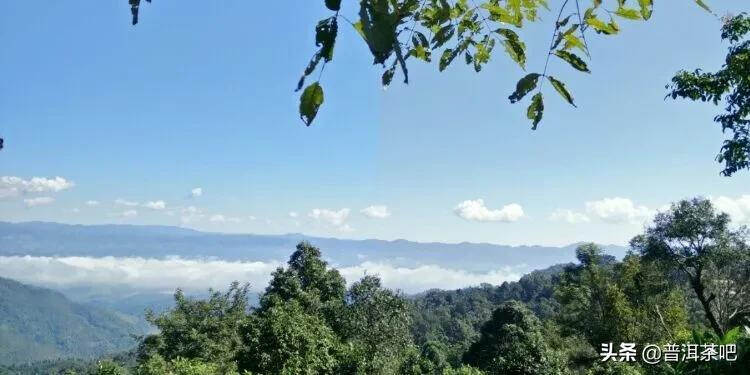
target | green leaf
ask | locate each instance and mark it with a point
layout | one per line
(421, 53)
(535, 110)
(360, 29)
(572, 41)
(500, 14)
(561, 89)
(576, 62)
(447, 58)
(325, 36)
(647, 8)
(703, 5)
(388, 76)
(310, 101)
(524, 86)
(334, 5)
(443, 35)
(628, 13)
(515, 48)
(601, 27)
(563, 22)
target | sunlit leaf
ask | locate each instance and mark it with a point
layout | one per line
(574, 61)
(602, 27)
(562, 90)
(310, 101)
(515, 48)
(628, 13)
(443, 35)
(572, 41)
(647, 8)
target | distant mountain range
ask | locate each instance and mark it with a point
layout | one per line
(40, 324)
(54, 239)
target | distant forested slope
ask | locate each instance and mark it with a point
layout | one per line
(39, 324)
(453, 318)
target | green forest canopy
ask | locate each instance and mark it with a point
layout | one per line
(684, 282)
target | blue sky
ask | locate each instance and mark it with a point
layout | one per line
(201, 96)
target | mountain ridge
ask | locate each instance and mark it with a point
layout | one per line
(56, 240)
(41, 324)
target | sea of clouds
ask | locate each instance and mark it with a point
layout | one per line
(164, 275)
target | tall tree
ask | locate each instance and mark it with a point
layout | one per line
(695, 240)
(284, 339)
(730, 85)
(307, 280)
(202, 329)
(377, 327)
(512, 343)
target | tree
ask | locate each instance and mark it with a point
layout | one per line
(156, 365)
(605, 301)
(694, 240)
(511, 343)
(110, 368)
(206, 330)
(307, 280)
(591, 302)
(286, 340)
(731, 85)
(377, 327)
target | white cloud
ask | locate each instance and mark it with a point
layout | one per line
(218, 218)
(475, 210)
(92, 203)
(293, 214)
(128, 214)
(252, 218)
(737, 208)
(127, 203)
(335, 218)
(155, 205)
(163, 275)
(11, 186)
(376, 212)
(40, 201)
(420, 278)
(75, 210)
(191, 214)
(346, 228)
(569, 216)
(196, 192)
(618, 210)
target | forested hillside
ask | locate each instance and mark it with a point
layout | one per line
(684, 283)
(39, 324)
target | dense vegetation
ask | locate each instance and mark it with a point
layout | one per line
(684, 282)
(38, 324)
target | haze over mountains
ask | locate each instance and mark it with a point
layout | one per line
(129, 268)
(63, 240)
(112, 273)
